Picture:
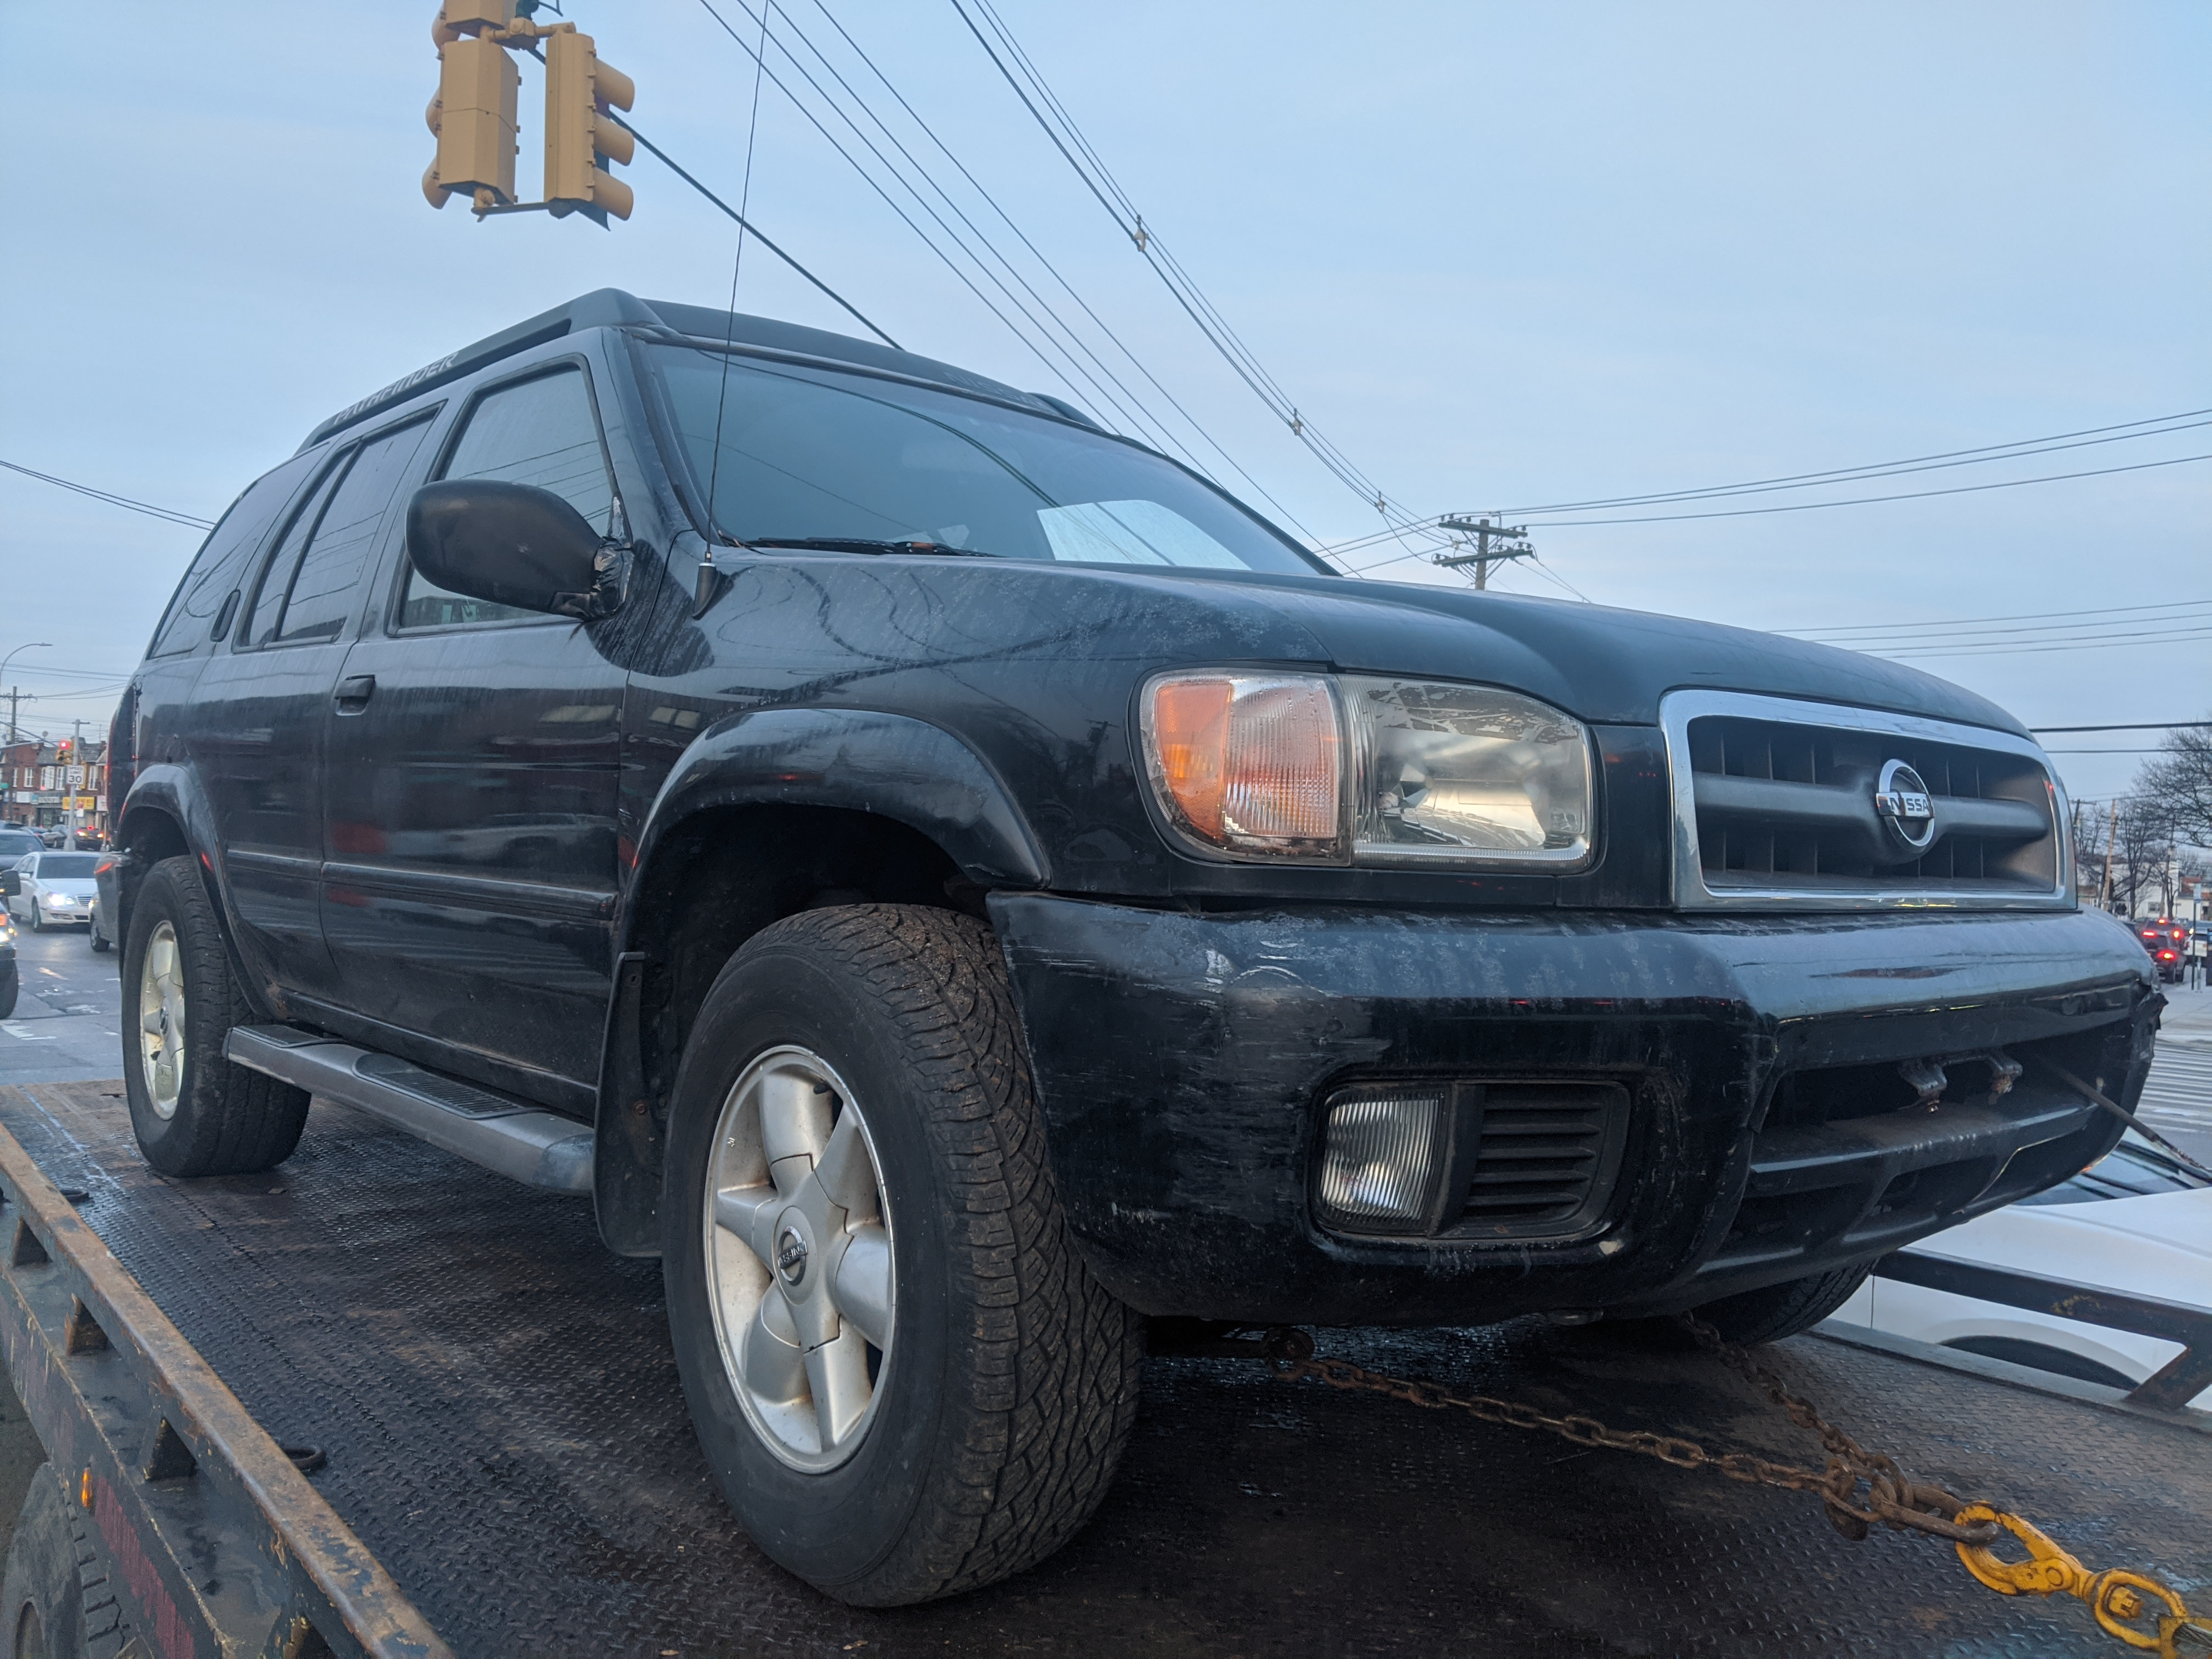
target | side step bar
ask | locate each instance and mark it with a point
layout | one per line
(529, 1145)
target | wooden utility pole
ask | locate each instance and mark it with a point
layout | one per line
(2105, 889)
(1513, 543)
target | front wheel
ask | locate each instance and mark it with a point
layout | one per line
(9, 982)
(1774, 1311)
(99, 941)
(38, 918)
(906, 1381)
(195, 1113)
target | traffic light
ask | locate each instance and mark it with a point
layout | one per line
(579, 89)
(474, 114)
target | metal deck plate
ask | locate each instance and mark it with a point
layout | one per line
(505, 1432)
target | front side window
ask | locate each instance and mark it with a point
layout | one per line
(540, 432)
(813, 455)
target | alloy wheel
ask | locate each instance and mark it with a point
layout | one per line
(797, 1232)
(161, 1019)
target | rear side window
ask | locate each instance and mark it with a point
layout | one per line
(220, 566)
(540, 432)
(308, 592)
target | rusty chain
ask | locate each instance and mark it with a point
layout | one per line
(2123, 1602)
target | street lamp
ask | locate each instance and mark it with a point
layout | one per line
(40, 644)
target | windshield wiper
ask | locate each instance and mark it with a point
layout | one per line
(861, 544)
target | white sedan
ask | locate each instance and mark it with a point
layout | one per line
(53, 887)
(2137, 1222)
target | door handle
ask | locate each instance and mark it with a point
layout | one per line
(353, 695)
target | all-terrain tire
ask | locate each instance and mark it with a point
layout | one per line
(1774, 1311)
(58, 1598)
(10, 983)
(228, 1119)
(1009, 1386)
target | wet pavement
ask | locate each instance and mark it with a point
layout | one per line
(65, 1024)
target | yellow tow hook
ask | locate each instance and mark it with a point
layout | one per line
(2116, 1597)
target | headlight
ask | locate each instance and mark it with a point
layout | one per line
(1366, 770)
(1465, 771)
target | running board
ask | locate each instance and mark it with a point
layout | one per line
(537, 1147)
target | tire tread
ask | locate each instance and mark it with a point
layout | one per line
(242, 1120)
(1057, 1359)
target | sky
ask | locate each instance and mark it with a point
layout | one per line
(1500, 255)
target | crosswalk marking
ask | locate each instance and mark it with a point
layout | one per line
(2178, 1094)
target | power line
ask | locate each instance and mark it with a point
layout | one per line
(2018, 615)
(2154, 725)
(2106, 642)
(1063, 132)
(2187, 420)
(870, 179)
(754, 230)
(1052, 270)
(1129, 408)
(112, 500)
(1809, 506)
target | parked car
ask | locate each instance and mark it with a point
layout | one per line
(2138, 1222)
(15, 845)
(987, 888)
(103, 903)
(53, 890)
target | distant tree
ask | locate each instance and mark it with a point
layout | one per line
(2142, 849)
(2181, 779)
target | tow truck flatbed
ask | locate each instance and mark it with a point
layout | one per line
(507, 1439)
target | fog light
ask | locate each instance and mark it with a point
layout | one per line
(1380, 1155)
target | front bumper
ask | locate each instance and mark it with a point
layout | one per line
(1181, 1060)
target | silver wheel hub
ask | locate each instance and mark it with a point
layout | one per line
(162, 1020)
(797, 1240)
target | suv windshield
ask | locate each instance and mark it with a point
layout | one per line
(812, 456)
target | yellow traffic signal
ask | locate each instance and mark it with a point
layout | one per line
(579, 89)
(474, 114)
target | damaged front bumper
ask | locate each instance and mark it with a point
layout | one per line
(1775, 1116)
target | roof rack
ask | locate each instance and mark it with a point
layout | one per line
(609, 307)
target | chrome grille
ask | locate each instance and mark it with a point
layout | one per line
(1776, 805)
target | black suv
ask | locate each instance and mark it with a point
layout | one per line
(957, 884)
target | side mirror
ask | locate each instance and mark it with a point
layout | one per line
(516, 544)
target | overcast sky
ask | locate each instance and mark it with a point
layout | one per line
(1501, 255)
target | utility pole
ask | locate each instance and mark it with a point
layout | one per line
(1512, 543)
(16, 692)
(2105, 887)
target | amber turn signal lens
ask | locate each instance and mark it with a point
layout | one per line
(1250, 763)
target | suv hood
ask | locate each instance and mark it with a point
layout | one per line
(1605, 666)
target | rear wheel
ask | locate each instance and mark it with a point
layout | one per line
(906, 1381)
(9, 982)
(195, 1113)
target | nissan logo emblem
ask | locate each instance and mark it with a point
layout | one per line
(1901, 801)
(791, 1256)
